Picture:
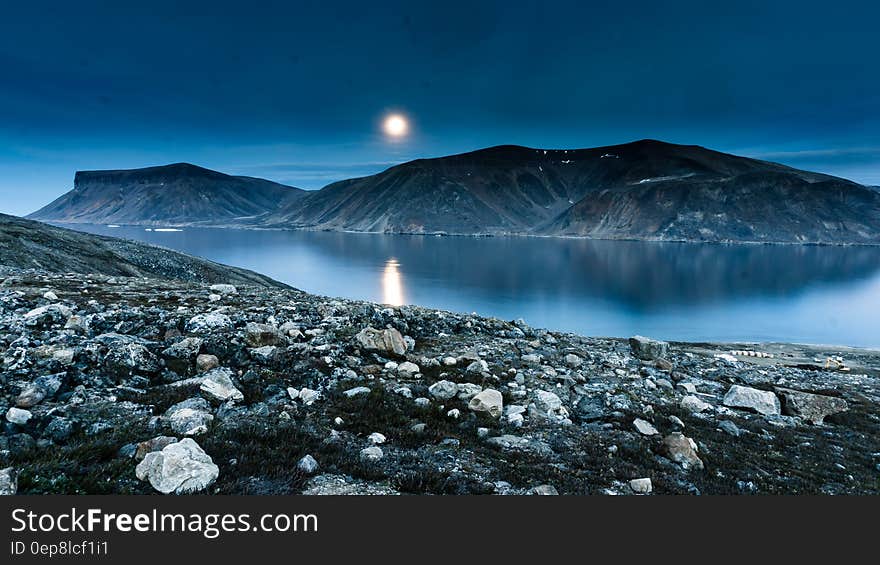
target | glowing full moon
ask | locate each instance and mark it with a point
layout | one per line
(395, 125)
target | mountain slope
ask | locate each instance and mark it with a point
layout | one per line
(26, 244)
(642, 190)
(179, 194)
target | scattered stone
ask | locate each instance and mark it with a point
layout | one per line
(648, 349)
(8, 482)
(309, 396)
(489, 400)
(155, 444)
(407, 370)
(205, 362)
(376, 438)
(190, 417)
(694, 404)
(644, 427)
(811, 407)
(761, 401)
(18, 416)
(388, 340)
(549, 405)
(350, 393)
(573, 360)
(543, 490)
(729, 427)
(217, 384)
(443, 390)
(260, 335)
(682, 450)
(307, 465)
(179, 468)
(223, 289)
(372, 454)
(641, 486)
(208, 323)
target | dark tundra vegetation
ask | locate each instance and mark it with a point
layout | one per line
(647, 190)
(148, 383)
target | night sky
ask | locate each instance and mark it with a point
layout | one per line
(295, 91)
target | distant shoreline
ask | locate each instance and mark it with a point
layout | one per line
(177, 226)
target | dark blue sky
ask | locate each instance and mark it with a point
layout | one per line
(295, 91)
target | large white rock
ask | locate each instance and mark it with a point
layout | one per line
(761, 401)
(180, 468)
(217, 383)
(489, 400)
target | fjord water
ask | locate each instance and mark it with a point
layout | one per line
(675, 291)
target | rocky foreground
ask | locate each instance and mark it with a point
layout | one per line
(133, 385)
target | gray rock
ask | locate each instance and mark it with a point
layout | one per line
(443, 390)
(477, 367)
(205, 362)
(682, 450)
(190, 417)
(157, 443)
(307, 465)
(8, 482)
(641, 486)
(388, 340)
(548, 405)
(372, 454)
(407, 369)
(466, 391)
(543, 490)
(217, 384)
(694, 404)
(59, 429)
(208, 323)
(356, 391)
(761, 401)
(490, 401)
(644, 427)
(260, 335)
(648, 349)
(729, 427)
(18, 416)
(811, 407)
(181, 468)
(573, 360)
(223, 289)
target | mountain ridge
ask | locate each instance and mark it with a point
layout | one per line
(179, 193)
(645, 190)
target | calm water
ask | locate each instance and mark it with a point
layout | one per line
(806, 294)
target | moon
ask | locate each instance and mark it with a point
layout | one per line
(395, 125)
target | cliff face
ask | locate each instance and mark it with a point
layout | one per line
(180, 194)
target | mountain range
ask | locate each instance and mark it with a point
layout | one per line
(648, 190)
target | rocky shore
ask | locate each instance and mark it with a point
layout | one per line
(136, 385)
